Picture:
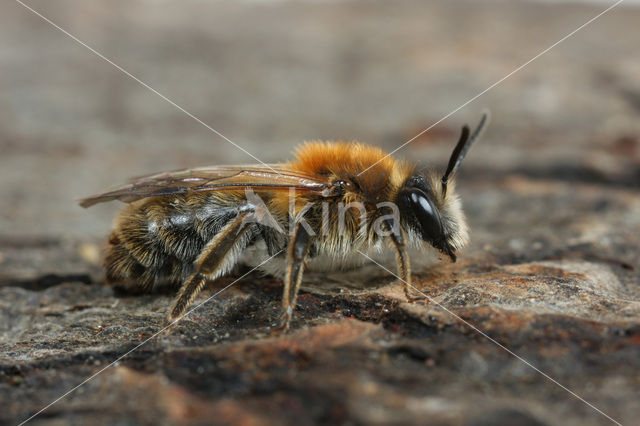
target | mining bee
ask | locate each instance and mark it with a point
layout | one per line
(319, 211)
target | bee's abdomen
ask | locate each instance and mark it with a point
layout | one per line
(126, 272)
(155, 243)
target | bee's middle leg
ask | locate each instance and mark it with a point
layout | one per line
(216, 258)
(296, 257)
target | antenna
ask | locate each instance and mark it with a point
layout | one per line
(462, 147)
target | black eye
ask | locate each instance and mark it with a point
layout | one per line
(421, 214)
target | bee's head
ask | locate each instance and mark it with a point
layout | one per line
(429, 207)
(431, 215)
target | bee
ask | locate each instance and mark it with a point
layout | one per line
(319, 211)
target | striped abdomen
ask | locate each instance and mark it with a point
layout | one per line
(156, 240)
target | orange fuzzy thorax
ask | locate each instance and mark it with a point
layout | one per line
(349, 160)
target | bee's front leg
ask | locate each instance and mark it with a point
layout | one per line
(217, 257)
(402, 259)
(296, 258)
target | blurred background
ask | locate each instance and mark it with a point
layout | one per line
(270, 74)
(551, 192)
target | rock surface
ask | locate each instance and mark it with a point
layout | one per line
(551, 278)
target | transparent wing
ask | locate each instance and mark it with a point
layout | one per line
(215, 178)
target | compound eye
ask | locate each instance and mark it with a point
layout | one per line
(426, 215)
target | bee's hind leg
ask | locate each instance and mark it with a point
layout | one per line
(218, 257)
(296, 257)
(188, 292)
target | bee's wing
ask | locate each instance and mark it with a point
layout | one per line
(215, 178)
